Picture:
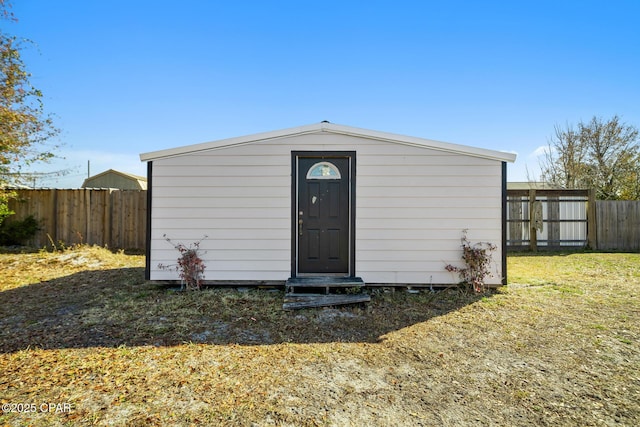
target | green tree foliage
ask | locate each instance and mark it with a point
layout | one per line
(603, 155)
(24, 126)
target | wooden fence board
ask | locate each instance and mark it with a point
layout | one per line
(104, 217)
(611, 225)
(553, 213)
(618, 225)
(514, 205)
(549, 222)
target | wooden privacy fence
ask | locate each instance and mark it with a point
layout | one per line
(566, 219)
(618, 225)
(104, 217)
(550, 219)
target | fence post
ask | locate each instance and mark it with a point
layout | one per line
(88, 237)
(592, 224)
(533, 232)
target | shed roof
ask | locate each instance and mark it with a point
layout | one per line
(139, 181)
(331, 128)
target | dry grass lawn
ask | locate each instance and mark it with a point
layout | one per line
(85, 341)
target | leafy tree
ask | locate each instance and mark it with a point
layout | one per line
(24, 126)
(603, 155)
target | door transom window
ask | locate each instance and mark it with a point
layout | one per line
(323, 170)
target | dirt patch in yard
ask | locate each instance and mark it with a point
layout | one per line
(111, 308)
(81, 327)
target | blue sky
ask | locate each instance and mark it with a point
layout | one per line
(125, 77)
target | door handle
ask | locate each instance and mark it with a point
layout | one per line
(300, 222)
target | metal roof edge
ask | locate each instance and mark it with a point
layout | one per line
(330, 128)
(229, 142)
(117, 172)
(425, 143)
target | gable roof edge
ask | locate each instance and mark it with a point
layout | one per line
(426, 143)
(331, 128)
(229, 142)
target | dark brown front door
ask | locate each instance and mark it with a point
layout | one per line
(323, 215)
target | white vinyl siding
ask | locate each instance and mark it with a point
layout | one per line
(412, 204)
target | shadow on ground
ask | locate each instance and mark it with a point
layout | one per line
(107, 308)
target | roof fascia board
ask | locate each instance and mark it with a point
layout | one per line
(229, 142)
(423, 143)
(331, 128)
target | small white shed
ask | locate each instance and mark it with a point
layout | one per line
(326, 200)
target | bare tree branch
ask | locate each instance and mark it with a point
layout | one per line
(598, 154)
